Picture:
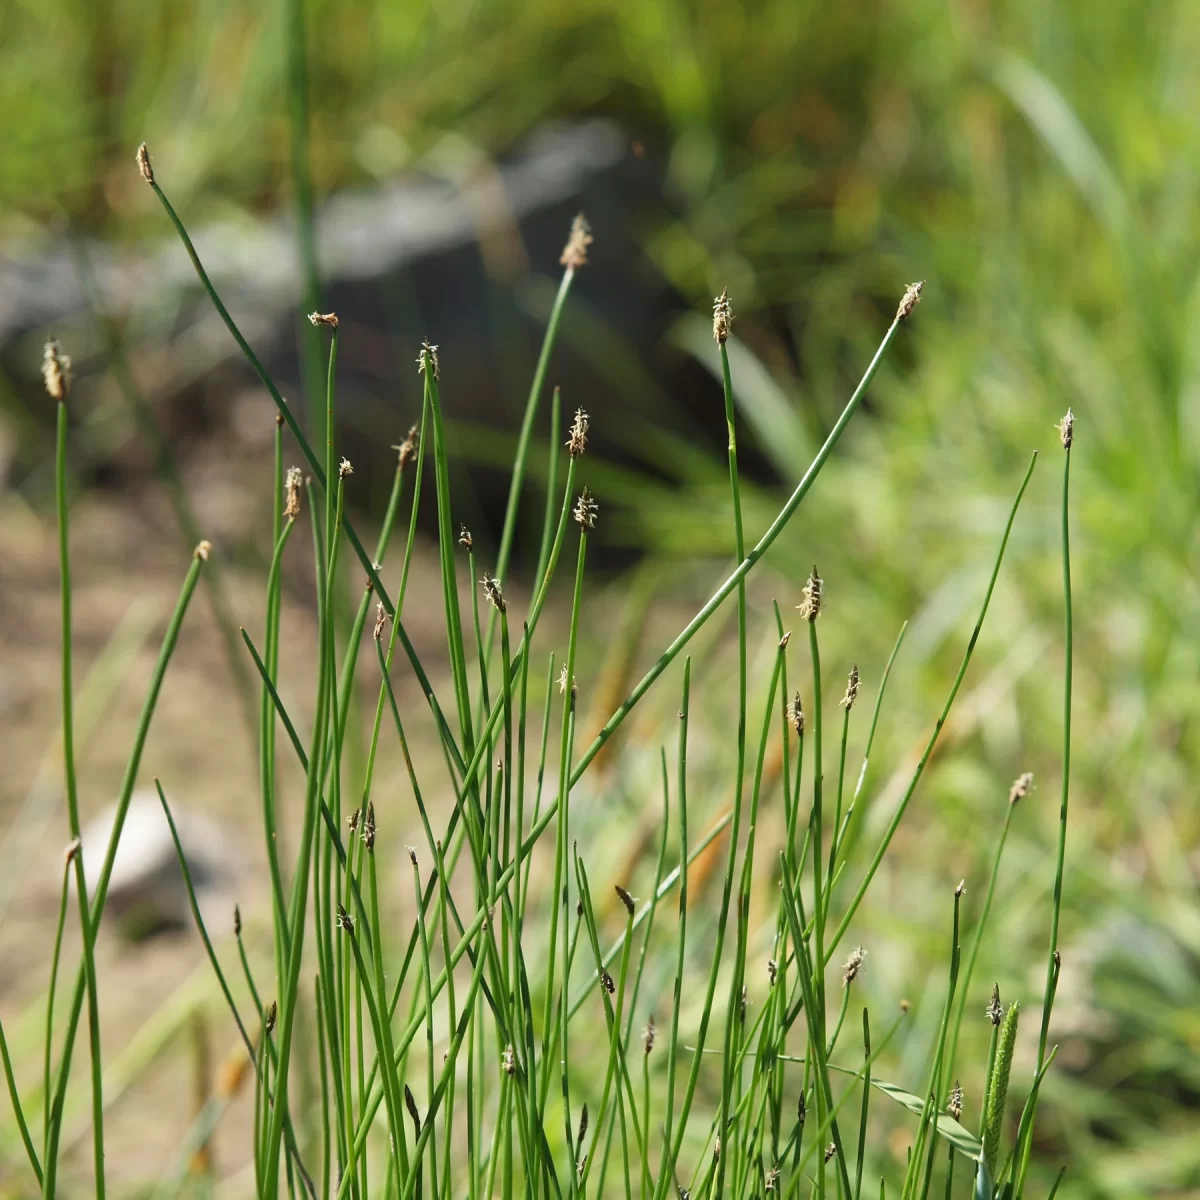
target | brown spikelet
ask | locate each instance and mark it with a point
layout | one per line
(143, 162)
(575, 252)
(648, 1037)
(585, 510)
(410, 1102)
(995, 1010)
(607, 980)
(428, 355)
(237, 921)
(853, 966)
(56, 371)
(625, 898)
(291, 493)
(1066, 430)
(954, 1105)
(796, 715)
(368, 828)
(330, 319)
(344, 468)
(722, 317)
(910, 300)
(814, 594)
(508, 1060)
(269, 1017)
(408, 448)
(380, 619)
(577, 442)
(344, 919)
(491, 589)
(851, 689)
(1021, 787)
(72, 849)
(465, 540)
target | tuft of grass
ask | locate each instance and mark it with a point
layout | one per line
(475, 1037)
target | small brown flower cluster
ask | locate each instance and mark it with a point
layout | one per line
(577, 442)
(491, 589)
(910, 300)
(586, 510)
(428, 357)
(1021, 787)
(814, 592)
(853, 966)
(722, 317)
(408, 448)
(851, 689)
(330, 319)
(291, 493)
(574, 253)
(56, 371)
(1066, 430)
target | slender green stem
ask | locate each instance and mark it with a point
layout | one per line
(15, 1096)
(47, 1049)
(68, 743)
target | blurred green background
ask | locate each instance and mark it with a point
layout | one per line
(1038, 164)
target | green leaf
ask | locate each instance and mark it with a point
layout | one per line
(963, 1140)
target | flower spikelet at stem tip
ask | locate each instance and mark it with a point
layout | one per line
(330, 319)
(814, 594)
(796, 715)
(291, 493)
(954, 1105)
(203, 550)
(380, 619)
(1021, 787)
(408, 448)
(56, 371)
(853, 966)
(722, 317)
(143, 162)
(1066, 430)
(344, 468)
(465, 540)
(428, 355)
(577, 442)
(851, 689)
(586, 510)
(910, 300)
(491, 589)
(574, 253)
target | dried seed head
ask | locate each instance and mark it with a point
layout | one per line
(412, 855)
(830, 1151)
(722, 317)
(783, 641)
(585, 510)
(344, 468)
(574, 253)
(625, 897)
(851, 689)
(352, 820)
(772, 971)
(801, 1110)
(607, 980)
(508, 1060)
(72, 849)
(329, 319)
(583, 1127)
(578, 904)
(344, 920)
(291, 493)
(410, 1103)
(796, 715)
(203, 550)
(408, 448)
(995, 1010)
(143, 162)
(56, 371)
(1066, 430)
(465, 540)
(491, 589)
(954, 1105)
(577, 442)
(910, 300)
(771, 1180)
(648, 1036)
(380, 619)
(237, 921)
(368, 828)
(272, 1011)
(428, 355)
(1021, 787)
(814, 591)
(1057, 961)
(961, 890)
(853, 966)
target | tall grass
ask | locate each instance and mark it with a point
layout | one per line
(486, 1022)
